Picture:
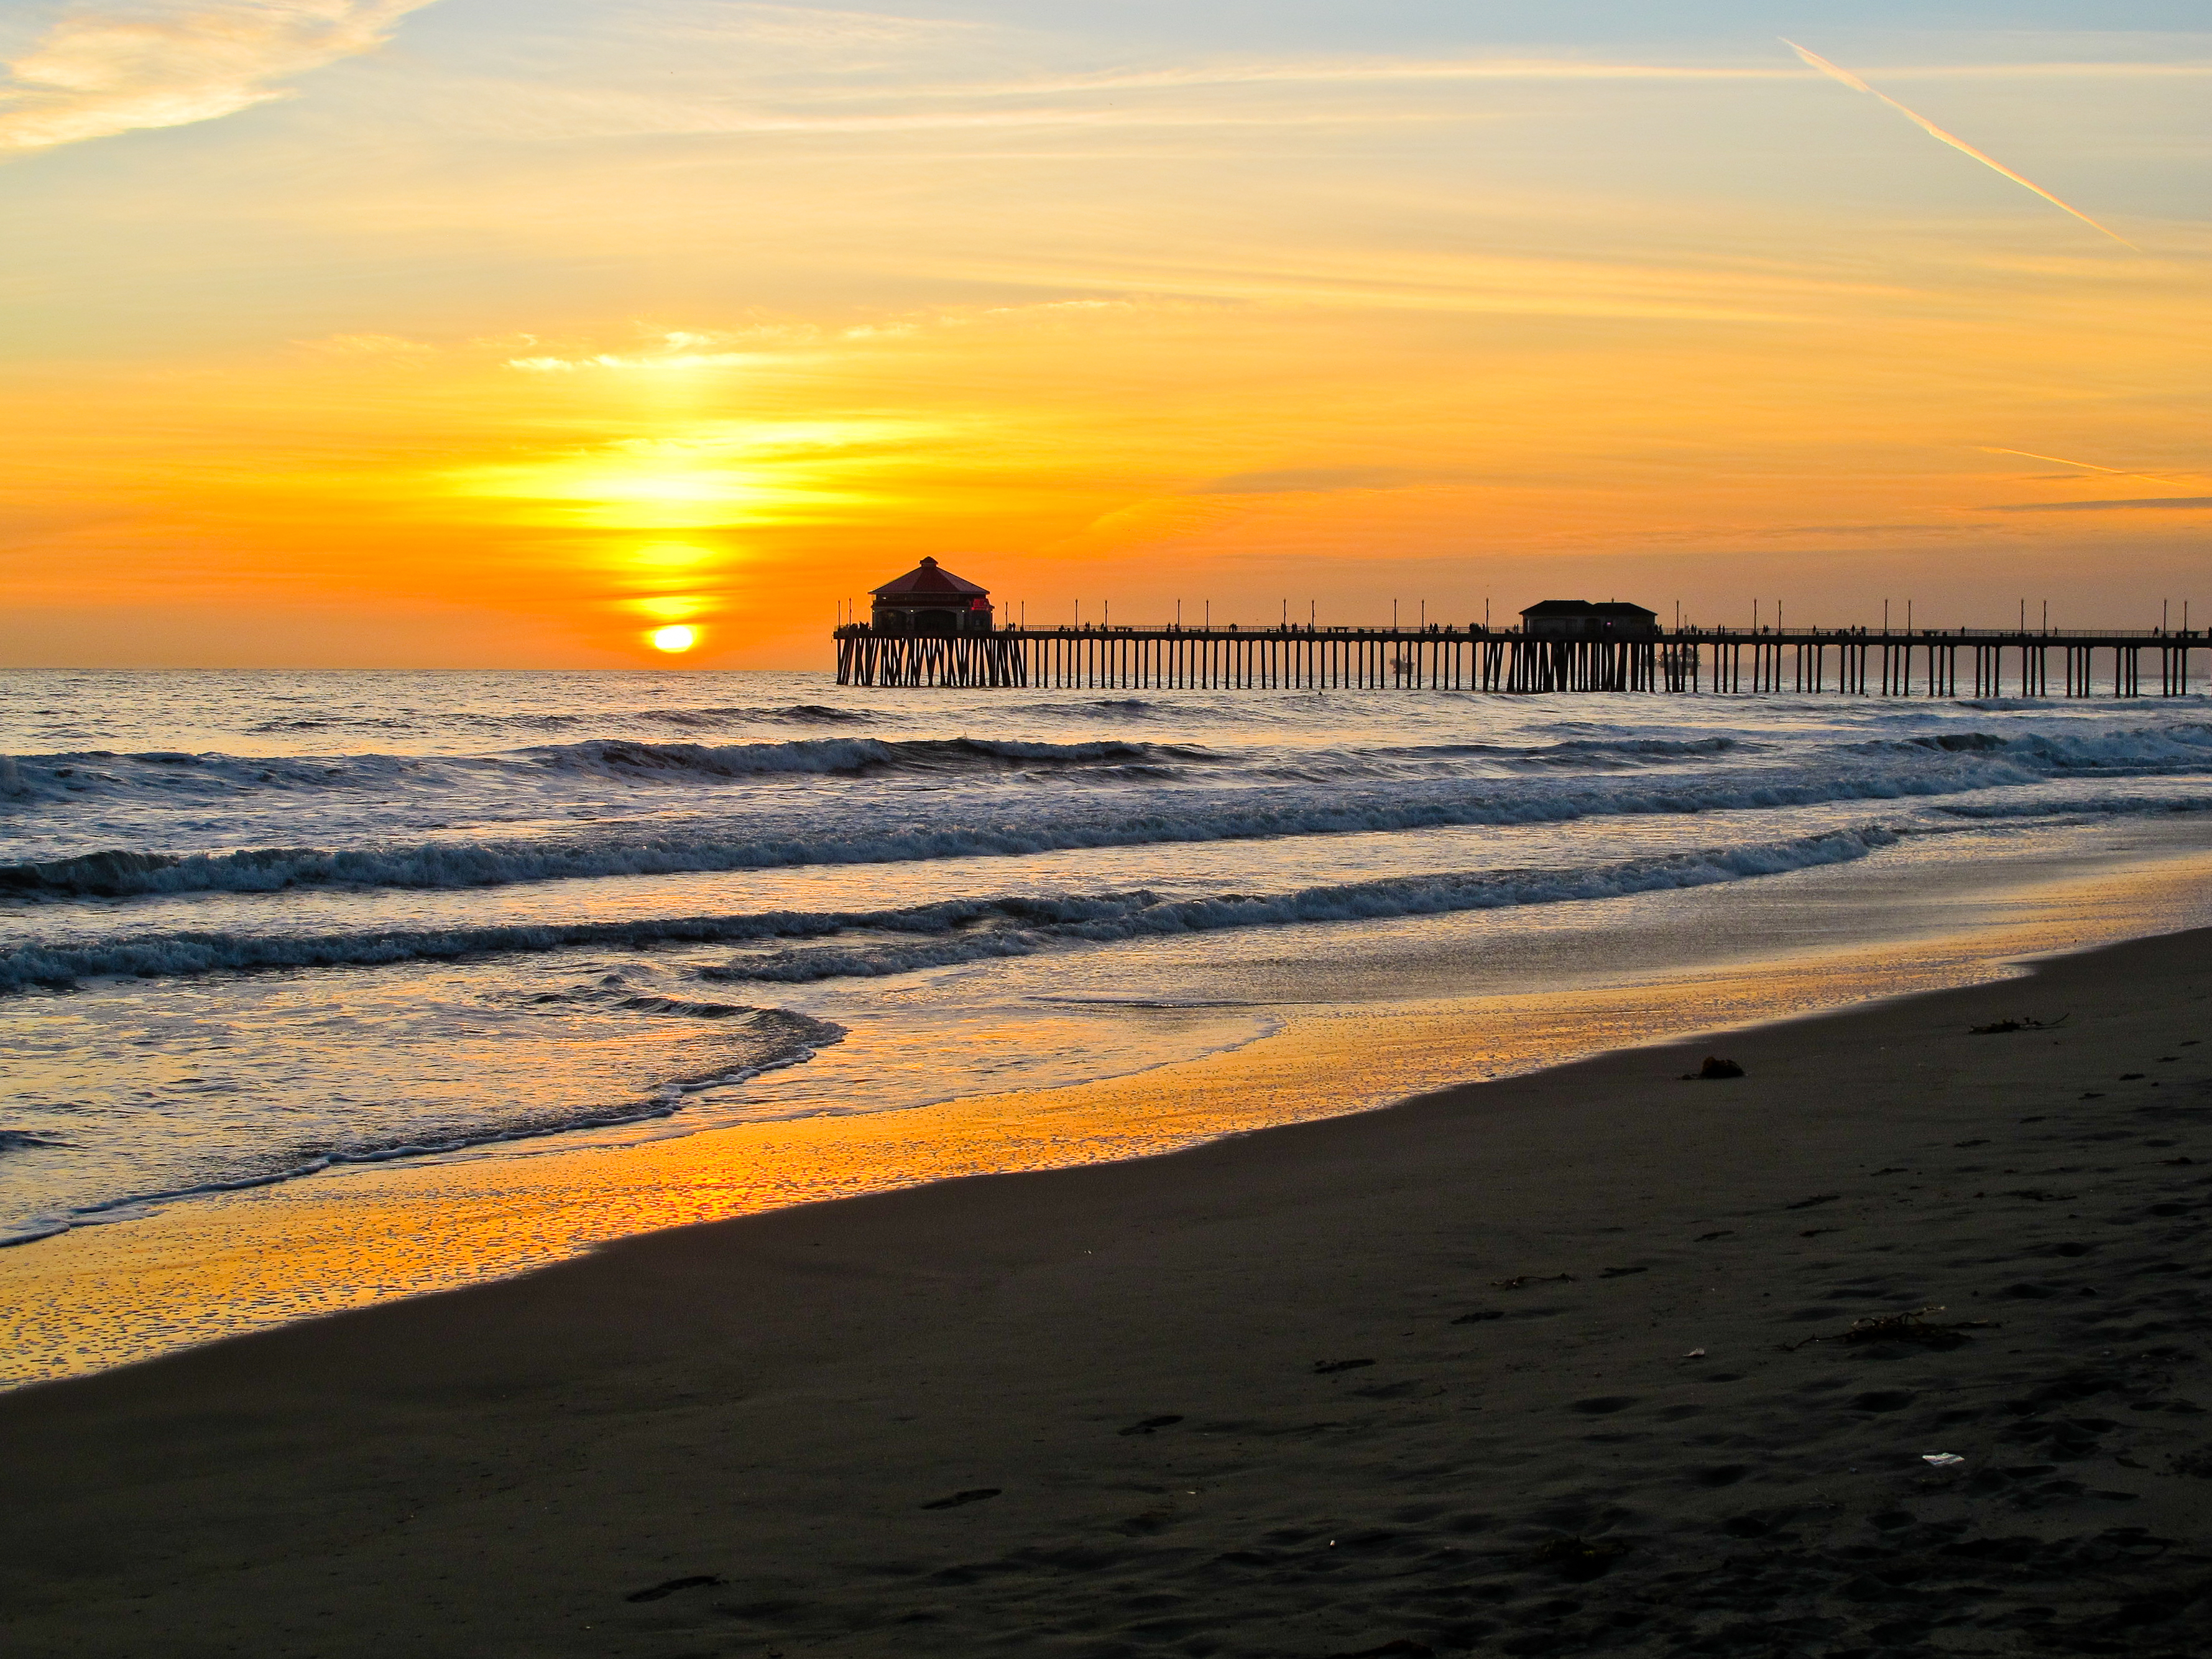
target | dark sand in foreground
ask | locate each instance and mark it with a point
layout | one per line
(1421, 1380)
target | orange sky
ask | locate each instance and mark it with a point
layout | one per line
(504, 337)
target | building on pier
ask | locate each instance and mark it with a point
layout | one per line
(1579, 619)
(931, 601)
(931, 627)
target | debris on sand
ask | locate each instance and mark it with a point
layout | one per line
(1326, 1367)
(1516, 1282)
(1713, 1067)
(1911, 1326)
(1997, 1028)
(1577, 1558)
(1943, 1460)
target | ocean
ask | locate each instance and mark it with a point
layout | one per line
(262, 928)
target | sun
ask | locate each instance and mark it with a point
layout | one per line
(675, 638)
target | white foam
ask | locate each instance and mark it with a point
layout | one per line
(1010, 925)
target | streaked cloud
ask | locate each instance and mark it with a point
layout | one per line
(1837, 72)
(2087, 466)
(2171, 503)
(816, 26)
(1303, 480)
(103, 70)
(368, 345)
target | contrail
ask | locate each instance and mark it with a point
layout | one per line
(2090, 466)
(1928, 126)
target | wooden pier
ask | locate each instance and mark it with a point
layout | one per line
(1958, 662)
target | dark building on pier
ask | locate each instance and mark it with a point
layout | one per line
(930, 599)
(1579, 619)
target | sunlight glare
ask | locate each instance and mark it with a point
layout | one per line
(675, 638)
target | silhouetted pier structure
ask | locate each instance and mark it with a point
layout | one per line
(1952, 662)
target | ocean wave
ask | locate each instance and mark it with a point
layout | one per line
(771, 1039)
(804, 713)
(855, 756)
(18, 1140)
(2183, 745)
(1222, 815)
(168, 774)
(2084, 805)
(960, 930)
(1577, 754)
(1136, 793)
(1029, 925)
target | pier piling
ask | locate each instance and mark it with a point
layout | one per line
(1850, 662)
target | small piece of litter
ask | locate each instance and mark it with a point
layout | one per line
(1714, 1067)
(1942, 1459)
(1695, 1353)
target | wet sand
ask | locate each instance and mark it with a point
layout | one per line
(1556, 1364)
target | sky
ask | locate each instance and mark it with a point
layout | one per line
(479, 333)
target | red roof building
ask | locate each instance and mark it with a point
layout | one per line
(931, 599)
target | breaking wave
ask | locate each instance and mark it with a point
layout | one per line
(804, 714)
(2087, 805)
(1002, 829)
(847, 755)
(958, 930)
(170, 772)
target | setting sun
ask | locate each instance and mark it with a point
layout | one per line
(676, 638)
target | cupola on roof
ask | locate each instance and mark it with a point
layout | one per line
(927, 580)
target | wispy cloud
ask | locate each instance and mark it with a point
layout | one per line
(2172, 503)
(1837, 72)
(104, 71)
(816, 26)
(2087, 466)
(1318, 71)
(368, 345)
(1309, 480)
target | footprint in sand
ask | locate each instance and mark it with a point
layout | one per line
(1151, 1423)
(669, 1586)
(973, 1495)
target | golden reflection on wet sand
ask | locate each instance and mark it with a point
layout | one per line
(353, 1236)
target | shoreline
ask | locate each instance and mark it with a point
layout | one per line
(367, 1234)
(1498, 1364)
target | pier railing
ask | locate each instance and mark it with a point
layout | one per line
(1855, 661)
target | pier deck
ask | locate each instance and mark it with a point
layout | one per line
(1921, 662)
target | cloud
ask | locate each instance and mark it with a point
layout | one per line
(170, 62)
(1870, 529)
(1307, 480)
(813, 26)
(2172, 503)
(367, 345)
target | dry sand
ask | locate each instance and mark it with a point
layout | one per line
(1555, 1365)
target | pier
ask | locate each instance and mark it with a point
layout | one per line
(1951, 662)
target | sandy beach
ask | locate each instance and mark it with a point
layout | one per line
(1563, 1363)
